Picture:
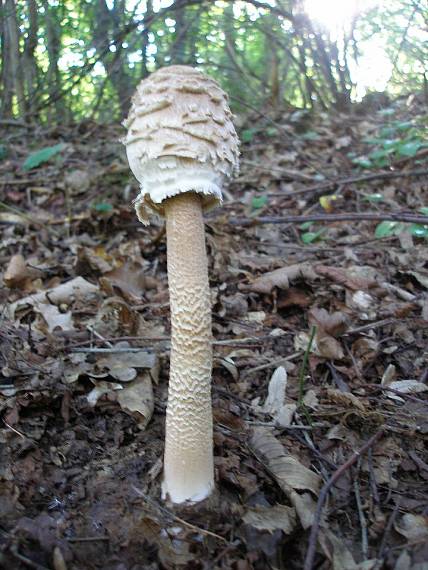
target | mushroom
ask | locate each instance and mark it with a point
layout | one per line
(181, 146)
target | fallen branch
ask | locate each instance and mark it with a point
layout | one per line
(313, 537)
(13, 123)
(345, 217)
(351, 180)
(21, 182)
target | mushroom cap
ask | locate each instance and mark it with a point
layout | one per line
(180, 138)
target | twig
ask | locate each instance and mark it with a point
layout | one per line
(372, 474)
(361, 515)
(286, 173)
(178, 519)
(239, 341)
(117, 339)
(105, 350)
(271, 363)
(25, 560)
(337, 378)
(13, 429)
(312, 543)
(80, 346)
(398, 392)
(351, 180)
(26, 217)
(21, 181)
(388, 528)
(302, 373)
(345, 217)
(303, 437)
(273, 425)
(12, 123)
(87, 538)
(419, 462)
(416, 320)
(99, 336)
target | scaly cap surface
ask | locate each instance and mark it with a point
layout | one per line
(180, 138)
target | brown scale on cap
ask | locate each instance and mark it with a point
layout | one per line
(181, 146)
(180, 138)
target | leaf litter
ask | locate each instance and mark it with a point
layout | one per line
(84, 362)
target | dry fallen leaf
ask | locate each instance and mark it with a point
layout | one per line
(275, 405)
(405, 387)
(334, 324)
(128, 280)
(78, 181)
(305, 507)
(281, 278)
(354, 279)
(276, 392)
(91, 261)
(328, 326)
(413, 527)
(278, 517)
(345, 399)
(17, 274)
(137, 399)
(287, 470)
(172, 551)
(116, 318)
(334, 547)
(53, 318)
(65, 293)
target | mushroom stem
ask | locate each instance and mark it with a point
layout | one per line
(188, 462)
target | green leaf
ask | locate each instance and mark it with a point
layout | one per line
(247, 135)
(311, 136)
(374, 198)
(388, 228)
(381, 153)
(3, 151)
(305, 225)
(258, 202)
(37, 158)
(362, 161)
(409, 148)
(424, 210)
(404, 125)
(419, 231)
(271, 131)
(386, 112)
(372, 140)
(391, 143)
(309, 237)
(387, 132)
(103, 207)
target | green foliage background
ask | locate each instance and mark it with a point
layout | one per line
(83, 58)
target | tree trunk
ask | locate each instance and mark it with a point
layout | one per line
(178, 48)
(145, 36)
(108, 26)
(6, 83)
(12, 51)
(28, 57)
(53, 44)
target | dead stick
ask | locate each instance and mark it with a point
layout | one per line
(388, 529)
(345, 217)
(351, 180)
(312, 543)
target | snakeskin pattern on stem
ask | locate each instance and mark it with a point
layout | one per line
(189, 473)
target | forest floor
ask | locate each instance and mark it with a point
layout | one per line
(320, 377)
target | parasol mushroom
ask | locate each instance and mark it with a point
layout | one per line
(181, 146)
